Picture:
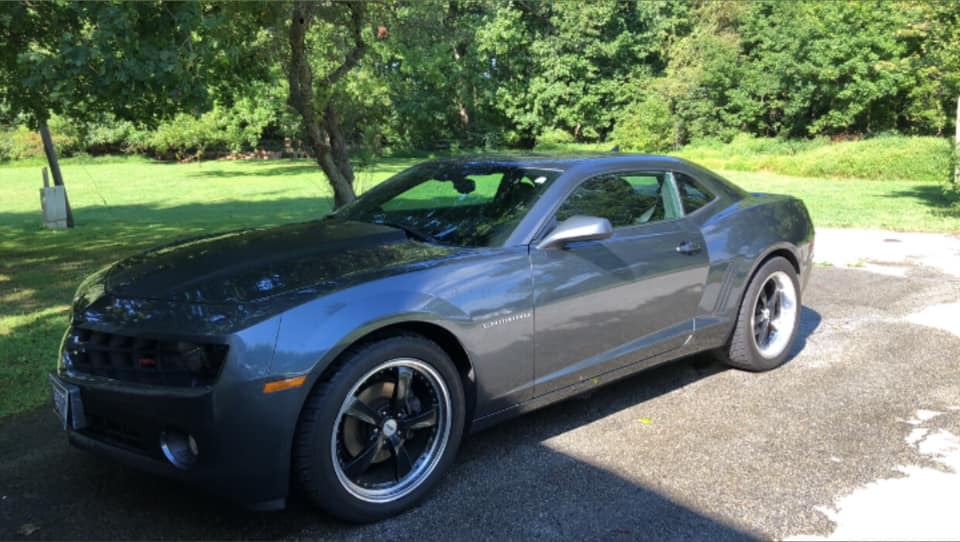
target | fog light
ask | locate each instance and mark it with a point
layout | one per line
(179, 448)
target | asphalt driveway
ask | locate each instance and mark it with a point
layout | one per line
(855, 435)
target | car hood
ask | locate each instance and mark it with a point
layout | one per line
(255, 264)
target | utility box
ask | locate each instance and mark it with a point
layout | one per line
(53, 201)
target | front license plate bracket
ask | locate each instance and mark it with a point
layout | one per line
(67, 404)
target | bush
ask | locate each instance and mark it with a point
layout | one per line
(646, 126)
(109, 136)
(884, 157)
(555, 136)
(235, 128)
(21, 143)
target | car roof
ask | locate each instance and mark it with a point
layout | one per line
(563, 161)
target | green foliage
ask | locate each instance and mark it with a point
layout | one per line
(462, 74)
(570, 65)
(21, 143)
(138, 61)
(645, 126)
(234, 128)
(554, 136)
(889, 157)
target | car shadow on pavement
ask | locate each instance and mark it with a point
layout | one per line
(809, 323)
(507, 483)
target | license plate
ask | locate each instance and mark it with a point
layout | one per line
(67, 404)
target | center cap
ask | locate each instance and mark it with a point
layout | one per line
(389, 427)
(765, 314)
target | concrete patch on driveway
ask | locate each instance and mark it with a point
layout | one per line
(888, 252)
(945, 317)
(686, 451)
(919, 505)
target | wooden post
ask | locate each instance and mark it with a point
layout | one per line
(51, 153)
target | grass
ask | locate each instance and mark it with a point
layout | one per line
(126, 205)
(884, 157)
(879, 158)
(848, 203)
(122, 207)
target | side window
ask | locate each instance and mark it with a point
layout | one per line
(625, 199)
(693, 195)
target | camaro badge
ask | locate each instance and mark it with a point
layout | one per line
(507, 320)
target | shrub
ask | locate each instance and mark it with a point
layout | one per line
(555, 136)
(235, 128)
(646, 126)
(21, 143)
(884, 157)
(108, 136)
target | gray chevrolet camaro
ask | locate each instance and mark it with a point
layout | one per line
(349, 355)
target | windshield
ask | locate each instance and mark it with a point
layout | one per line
(464, 204)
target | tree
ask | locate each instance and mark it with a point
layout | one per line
(137, 61)
(439, 81)
(321, 122)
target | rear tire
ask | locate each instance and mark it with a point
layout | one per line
(768, 319)
(379, 433)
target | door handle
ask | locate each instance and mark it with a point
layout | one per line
(689, 247)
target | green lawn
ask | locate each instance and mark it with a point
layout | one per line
(125, 205)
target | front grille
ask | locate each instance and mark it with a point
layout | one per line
(116, 433)
(143, 360)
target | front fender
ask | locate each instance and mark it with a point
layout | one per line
(313, 335)
(485, 303)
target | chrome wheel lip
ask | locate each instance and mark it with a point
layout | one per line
(425, 463)
(783, 321)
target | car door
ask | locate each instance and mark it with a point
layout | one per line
(600, 305)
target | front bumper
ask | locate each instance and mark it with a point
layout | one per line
(243, 437)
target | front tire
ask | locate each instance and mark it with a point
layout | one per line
(377, 435)
(768, 320)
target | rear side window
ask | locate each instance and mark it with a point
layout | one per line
(693, 195)
(625, 199)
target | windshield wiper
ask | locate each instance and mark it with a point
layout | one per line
(411, 232)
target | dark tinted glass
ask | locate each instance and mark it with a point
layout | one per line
(692, 194)
(625, 199)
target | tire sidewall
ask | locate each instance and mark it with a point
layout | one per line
(327, 491)
(743, 341)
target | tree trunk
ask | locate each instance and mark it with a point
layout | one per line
(338, 143)
(324, 133)
(956, 148)
(462, 111)
(54, 162)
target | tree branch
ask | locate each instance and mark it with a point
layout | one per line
(357, 11)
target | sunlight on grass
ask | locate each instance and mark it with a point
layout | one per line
(121, 207)
(847, 203)
(126, 205)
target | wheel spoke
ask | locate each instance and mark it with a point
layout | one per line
(764, 334)
(402, 389)
(427, 418)
(401, 461)
(775, 304)
(359, 410)
(364, 459)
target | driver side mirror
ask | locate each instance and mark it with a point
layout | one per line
(577, 228)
